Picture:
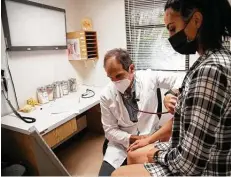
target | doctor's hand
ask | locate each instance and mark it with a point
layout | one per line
(139, 144)
(144, 136)
(133, 138)
(170, 103)
(150, 155)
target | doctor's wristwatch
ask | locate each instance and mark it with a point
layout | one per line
(155, 156)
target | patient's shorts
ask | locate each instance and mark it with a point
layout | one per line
(157, 169)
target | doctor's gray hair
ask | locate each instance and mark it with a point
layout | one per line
(121, 55)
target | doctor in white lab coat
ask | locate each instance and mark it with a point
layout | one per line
(119, 101)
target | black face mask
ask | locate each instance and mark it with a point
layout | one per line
(182, 45)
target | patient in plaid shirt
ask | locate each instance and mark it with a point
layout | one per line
(201, 128)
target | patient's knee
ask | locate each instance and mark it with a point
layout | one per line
(116, 172)
(131, 154)
(131, 157)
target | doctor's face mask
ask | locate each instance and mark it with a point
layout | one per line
(123, 83)
(119, 76)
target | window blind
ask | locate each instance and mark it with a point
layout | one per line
(147, 37)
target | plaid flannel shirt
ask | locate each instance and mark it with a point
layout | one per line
(201, 133)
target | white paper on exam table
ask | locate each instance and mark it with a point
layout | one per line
(53, 108)
(45, 120)
(62, 106)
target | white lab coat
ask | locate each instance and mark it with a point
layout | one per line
(115, 118)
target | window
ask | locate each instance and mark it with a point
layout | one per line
(147, 37)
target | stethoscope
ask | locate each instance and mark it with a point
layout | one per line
(88, 94)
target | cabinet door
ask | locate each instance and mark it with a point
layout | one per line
(81, 122)
(60, 133)
(47, 162)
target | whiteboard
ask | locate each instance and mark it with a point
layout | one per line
(31, 25)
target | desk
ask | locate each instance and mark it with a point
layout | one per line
(53, 114)
(58, 116)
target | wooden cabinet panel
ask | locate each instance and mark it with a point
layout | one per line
(57, 135)
(51, 138)
(94, 123)
(81, 123)
(66, 129)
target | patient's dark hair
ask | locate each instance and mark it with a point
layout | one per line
(121, 55)
(216, 24)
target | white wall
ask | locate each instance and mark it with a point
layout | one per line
(4, 107)
(108, 17)
(37, 68)
(33, 69)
